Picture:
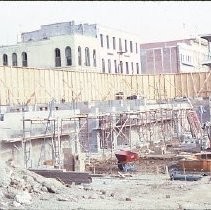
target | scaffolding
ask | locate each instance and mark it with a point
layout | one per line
(114, 130)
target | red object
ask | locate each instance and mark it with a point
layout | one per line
(126, 156)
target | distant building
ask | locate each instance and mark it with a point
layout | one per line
(177, 56)
(79, 47)
(207, 61)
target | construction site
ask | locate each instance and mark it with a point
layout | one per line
(121, 141)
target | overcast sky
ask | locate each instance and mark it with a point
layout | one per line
(153, 21)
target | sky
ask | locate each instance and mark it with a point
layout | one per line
(151, 20)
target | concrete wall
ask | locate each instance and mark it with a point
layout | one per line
(14, 150)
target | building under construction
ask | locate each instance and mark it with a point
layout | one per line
(47, 116)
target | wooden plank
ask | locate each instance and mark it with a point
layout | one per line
(66, 177)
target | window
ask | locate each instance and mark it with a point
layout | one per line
(125, 45)
(87, 57)
(131, 46)
(24, 59)
(107, 39)
(103, 65)
(109, 66)
(115, 66)
(121, 67)
(79, 56)
(136, 48)
(101, 40)
(114, 43)
(14, 59)
(68, 55)
(57, 57)
(1, 117)
(127, 69)
(94, 58)
(5, 60)
(132, 67)
(120, 45)
(137, 68)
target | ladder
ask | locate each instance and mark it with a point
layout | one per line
(195, 125)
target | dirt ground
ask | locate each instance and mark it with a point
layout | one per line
(140, 191)
(147, 188)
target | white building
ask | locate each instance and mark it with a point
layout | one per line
(192, 56)
(79, 47)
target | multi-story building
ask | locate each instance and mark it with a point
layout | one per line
(79, 47)
(207, 60)
(177, 56)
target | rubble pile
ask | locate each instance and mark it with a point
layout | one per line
(18, 186)
(24, 189)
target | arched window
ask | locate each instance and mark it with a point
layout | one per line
(24, 59)
(94, 58)
(57, 57)
(5, 60)
(68, 55)
(87, 57)
(103, 65)
(79, 56)
(14, 59)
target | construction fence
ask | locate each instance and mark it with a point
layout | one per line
(30, 85)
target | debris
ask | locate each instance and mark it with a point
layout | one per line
(4, 175)
(128, 199)
(103, 192)
(62, 198)
(44, 189)
(121, 175)
(102, 196)
(23, 198)
(112, 194)
(93, 196)
(16, 204)
(184, 177)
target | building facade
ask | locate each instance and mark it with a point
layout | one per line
(78, 47)
(177, 56)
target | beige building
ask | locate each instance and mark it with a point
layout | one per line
(78, 47)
